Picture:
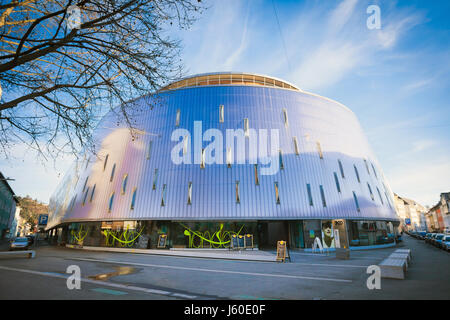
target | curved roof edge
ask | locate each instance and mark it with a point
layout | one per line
(229, 78)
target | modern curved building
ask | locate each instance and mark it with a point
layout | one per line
(223, 154)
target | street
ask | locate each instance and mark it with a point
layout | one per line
(138, 276)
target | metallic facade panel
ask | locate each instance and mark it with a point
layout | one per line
(313, 120)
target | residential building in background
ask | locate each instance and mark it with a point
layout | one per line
(411, 214)
(7, 207)
(438, 216)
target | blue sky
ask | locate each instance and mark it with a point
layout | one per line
(395, 79)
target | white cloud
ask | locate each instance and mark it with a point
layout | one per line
(345, 45)
(419, 181)
(422, 145)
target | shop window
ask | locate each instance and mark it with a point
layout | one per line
(112, 173)
(286, 122)
(296, 148)
(370, 191)
(338, 186)
(189, 199)
(308, 189)
(238, 200)
(111, 201)
(356, 173)
(221, 113)
(155, 178)
(319, 149)
(356, 201)
(177, 120)
(277, 193)
(92, 193)
(133, 199)
(163, 196)
(105, 162)
(322, 195)
(256, 175)
(124, 183)
(341, 169)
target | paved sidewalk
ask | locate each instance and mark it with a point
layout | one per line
(249, 255)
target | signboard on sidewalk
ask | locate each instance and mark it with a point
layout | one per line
(162, 241)
(408, 221)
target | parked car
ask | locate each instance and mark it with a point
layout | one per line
(438, 240)
(30, 239)
(20, 243)
(446, 243)
(433, 238)
(427, 236)
(430, 238)
(421, 235)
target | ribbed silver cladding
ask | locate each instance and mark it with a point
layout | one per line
(313, 120)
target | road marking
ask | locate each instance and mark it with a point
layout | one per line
(214, 271)
(107, 284)
(332, 265)
(108, 291)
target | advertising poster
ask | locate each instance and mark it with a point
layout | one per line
(327, 234)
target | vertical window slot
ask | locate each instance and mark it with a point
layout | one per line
(111, 201)
(357, 174)
(296, 149)
(155, 177)
(163, 196)
(277, 193)
(106, 161)
(286, 121)
(189, 200)
(356, 201)
(322, 195)
(133, 199)
(221, 113)
(177, 120)
(246, 127)
(319, 149)
(338, 186)
(124, 183)
(308, 189)
(112, 173)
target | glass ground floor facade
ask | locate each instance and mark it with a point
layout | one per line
(146, 234)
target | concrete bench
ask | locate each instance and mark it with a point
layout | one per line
(408, 251)
(401, 256)
(30, 253)
(393, 268)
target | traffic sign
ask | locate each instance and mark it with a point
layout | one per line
(43, 218)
